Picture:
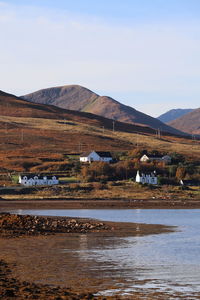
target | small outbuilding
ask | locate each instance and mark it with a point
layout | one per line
(96, 156)
(158, 158)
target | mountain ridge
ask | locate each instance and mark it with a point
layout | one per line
(13, 106)
(190, 122)
(173, 114)
(76, 97)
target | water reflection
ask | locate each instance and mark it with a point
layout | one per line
(166, 262)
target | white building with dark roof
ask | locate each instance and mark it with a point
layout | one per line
(31, 180)
(96, 156)
(161, 158)
(146, 178)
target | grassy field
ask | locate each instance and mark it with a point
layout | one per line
(37, 138)
(120, 190)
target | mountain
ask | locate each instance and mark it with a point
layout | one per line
(37, 137)
(75, 97)
(173, 114)
(16, 107)
(188, 123)
(35, 134)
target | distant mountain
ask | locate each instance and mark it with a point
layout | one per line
(188, 123)
(75, 97)
(12, 106)
(173, 114)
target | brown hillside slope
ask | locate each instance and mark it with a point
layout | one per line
(30, 132)
(40, 135)
(13, 106)
(78, 98)
(189, 123)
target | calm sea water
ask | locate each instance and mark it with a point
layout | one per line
(167, 262)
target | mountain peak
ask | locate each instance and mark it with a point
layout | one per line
(173, 114)
(76, 97)
(189, 122)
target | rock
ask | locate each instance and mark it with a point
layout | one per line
(17, 225)
(9, 293)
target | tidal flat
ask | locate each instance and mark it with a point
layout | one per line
(51, 264)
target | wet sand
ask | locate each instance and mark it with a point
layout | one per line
(42, 262)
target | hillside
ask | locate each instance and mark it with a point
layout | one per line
(173, 114)
(75, 97)
(13, 106)
(35, 135)
(189, 123)
(30, 132)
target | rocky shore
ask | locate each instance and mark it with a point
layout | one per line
(12, 225)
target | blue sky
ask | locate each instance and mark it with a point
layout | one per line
(143, 53)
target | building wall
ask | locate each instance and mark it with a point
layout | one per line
(144, 158)
(93, 156)
(37, 181)
(149, 179)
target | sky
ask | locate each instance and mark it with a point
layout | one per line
(143, 53)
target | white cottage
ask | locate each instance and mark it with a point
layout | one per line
(31, 180)
(165, 158)
(146, 178)
(96, 156)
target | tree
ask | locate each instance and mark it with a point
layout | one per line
(172, 171)
(180, 173)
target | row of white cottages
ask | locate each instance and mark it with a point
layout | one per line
(31, 180)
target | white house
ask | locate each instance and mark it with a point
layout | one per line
(165, 158)
(146, 178)
(96, 156)
(31, 180)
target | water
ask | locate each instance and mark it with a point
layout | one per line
(167, 262)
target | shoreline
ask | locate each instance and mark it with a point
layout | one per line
(75, 203)
(29, 264)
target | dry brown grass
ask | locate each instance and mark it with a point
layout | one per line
(30, 131)
(28, 139)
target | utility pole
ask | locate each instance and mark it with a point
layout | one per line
(158, 134)
(80, 147)
(137, 141)
(113, 125)
(6, 128)
(22, 135)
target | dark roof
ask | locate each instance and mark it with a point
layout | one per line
(151, 174)
(156, 156)
(191, 182)
(29, 176)
(100, 153)
(104, 154)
